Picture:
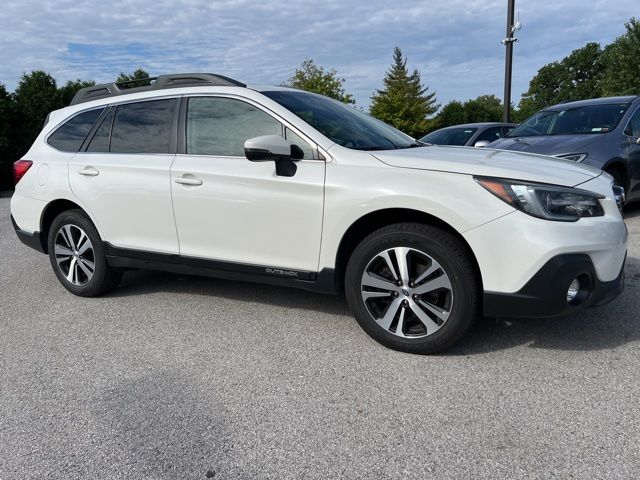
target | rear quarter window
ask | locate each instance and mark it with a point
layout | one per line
(69, 136)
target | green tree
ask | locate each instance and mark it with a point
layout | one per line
(140, 77)
(404, 101)
(485, 108)
(314, 78)
(452, 113)
(8, 152)
(69, 89)
(622, 62)
(577, 76)
(36, 95)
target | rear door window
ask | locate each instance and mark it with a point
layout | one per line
(70, 135)
(144, 127)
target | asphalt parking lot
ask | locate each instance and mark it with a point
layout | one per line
(194, 378)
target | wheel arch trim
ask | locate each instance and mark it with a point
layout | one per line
(55, 208)
(371, 221)
(618, 162)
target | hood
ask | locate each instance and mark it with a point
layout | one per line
(548, 144)
(490, 163)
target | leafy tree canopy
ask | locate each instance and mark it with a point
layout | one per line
(314, 78)
(485, 108)
(139, 75)
(36, 95)
(69, 89)
(622, 63)
(577, 76)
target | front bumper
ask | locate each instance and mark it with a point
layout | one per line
(545, 295)
(33, 240)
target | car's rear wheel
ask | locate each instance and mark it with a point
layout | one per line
(413, 287)
(77, 255)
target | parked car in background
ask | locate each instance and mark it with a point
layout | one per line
(469, 134)
(602, 132)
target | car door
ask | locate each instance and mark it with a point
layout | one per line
(122, 174)
(632, 151)
(230, 209)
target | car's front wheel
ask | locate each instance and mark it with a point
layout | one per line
(413, 287)
(77, 255)
(618, 176)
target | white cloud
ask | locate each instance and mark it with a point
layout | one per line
(454, 43)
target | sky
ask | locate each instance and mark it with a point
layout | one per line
(455, 44)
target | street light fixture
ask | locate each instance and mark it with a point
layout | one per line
(512, 28)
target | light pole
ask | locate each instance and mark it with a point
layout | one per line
(508, 42)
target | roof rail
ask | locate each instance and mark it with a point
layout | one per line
(156, 83)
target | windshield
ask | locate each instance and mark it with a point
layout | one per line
(573, 121)
(449, 136)
(344, 125)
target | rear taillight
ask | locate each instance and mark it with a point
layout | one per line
(19, 169)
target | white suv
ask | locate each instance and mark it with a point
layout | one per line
(198, 173)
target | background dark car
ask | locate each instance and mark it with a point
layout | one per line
(602, 132)
(469, 134)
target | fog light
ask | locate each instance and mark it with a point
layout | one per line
(574, 289)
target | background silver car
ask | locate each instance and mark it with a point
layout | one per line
(469, 134)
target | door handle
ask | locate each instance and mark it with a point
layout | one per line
(189, 181)
(89, 172)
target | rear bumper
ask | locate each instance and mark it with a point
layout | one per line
(545, 295)
(33, 240)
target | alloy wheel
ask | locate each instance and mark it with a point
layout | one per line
(74, 254)
(407, 292)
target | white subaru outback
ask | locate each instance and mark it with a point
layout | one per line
(201, 174)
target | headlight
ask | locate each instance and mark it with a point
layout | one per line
(576, 157)
(562, 204)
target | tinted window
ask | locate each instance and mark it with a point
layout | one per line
(450, 136)
(220, 126)
(344, 125)
(506, 130)
(490, 134)
(143, 127)
(100, 140)
(71, 134)
(633, 128)
(590, 119)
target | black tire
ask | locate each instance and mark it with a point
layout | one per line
(618, 177)
(103, 279)
(456, 265)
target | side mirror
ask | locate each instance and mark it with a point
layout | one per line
(638, 141)
(481, 143)
(274, 148)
